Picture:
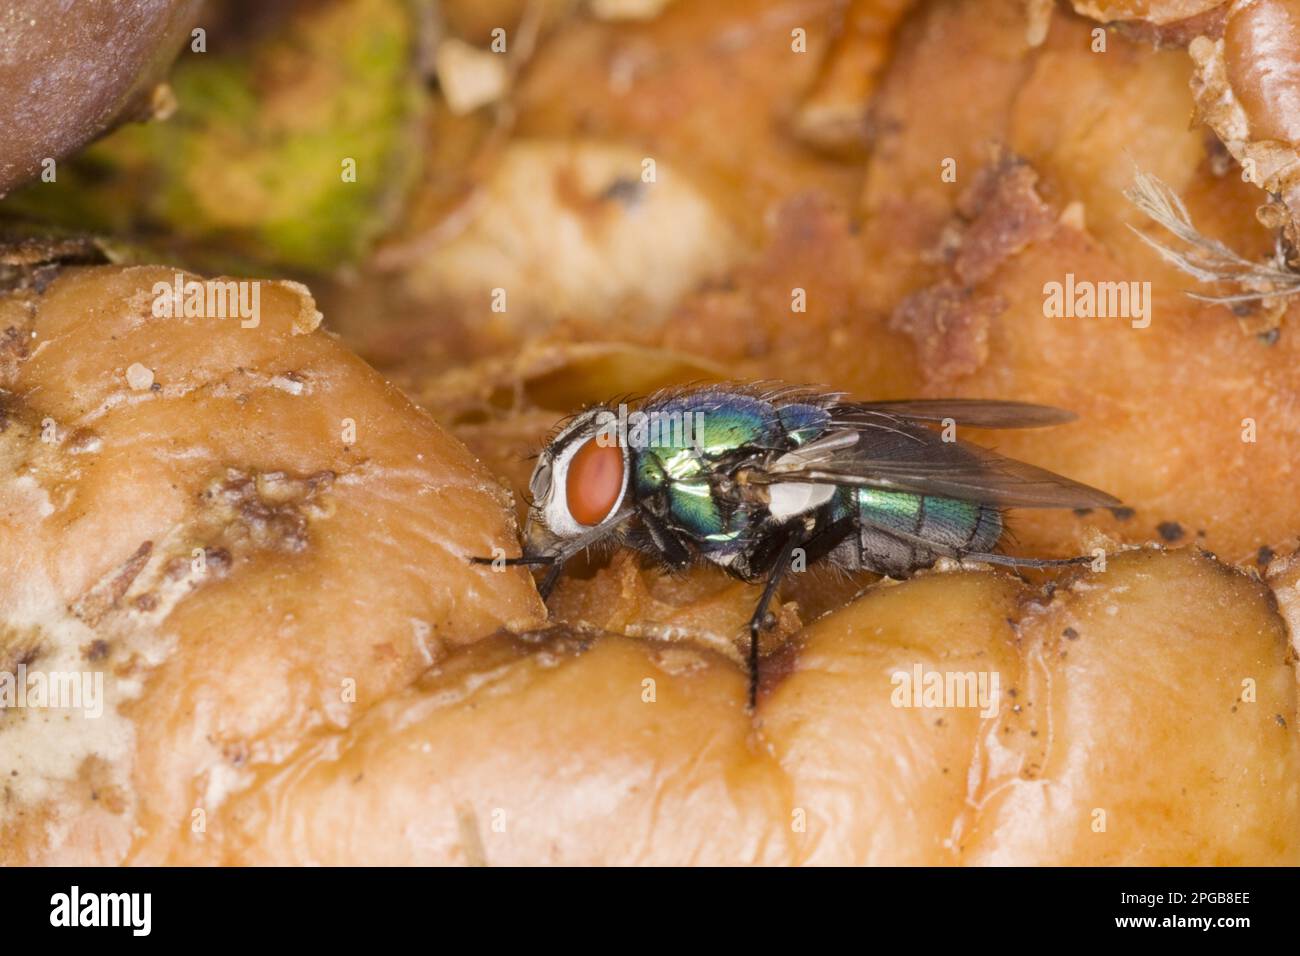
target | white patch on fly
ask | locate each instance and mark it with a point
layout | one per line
(790, 498)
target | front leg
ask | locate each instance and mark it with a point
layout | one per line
(668, 546)
(560, 555)
(552, 578)
(553, 561)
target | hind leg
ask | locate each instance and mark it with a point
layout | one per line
(1011, 561)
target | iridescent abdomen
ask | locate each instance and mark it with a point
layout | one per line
(948, 524)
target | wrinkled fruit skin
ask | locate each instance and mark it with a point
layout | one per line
(300, 666)
(1125, 743)
(340, 685)
(70, 71)
(331, 522)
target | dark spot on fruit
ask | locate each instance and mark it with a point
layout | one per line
(1170, 531)
(624, 190)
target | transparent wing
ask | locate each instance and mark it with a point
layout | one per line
(974, 412)
(870, 448)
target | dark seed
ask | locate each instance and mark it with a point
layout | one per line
(1170, 530)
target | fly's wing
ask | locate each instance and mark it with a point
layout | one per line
(867, 447)
(972, 412)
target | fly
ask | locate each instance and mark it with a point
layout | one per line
(748, 477)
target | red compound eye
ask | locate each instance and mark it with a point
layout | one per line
(594, 481)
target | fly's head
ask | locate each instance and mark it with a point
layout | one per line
(581, 481)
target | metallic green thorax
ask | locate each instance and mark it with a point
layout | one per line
(711, 429)
(694, 437)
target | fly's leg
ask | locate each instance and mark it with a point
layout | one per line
(553, 561)
(548, 583)
(671, 550)
(558, 558)
(774, 577)
(527, 559)
(1006, 560)
(1010, 561)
